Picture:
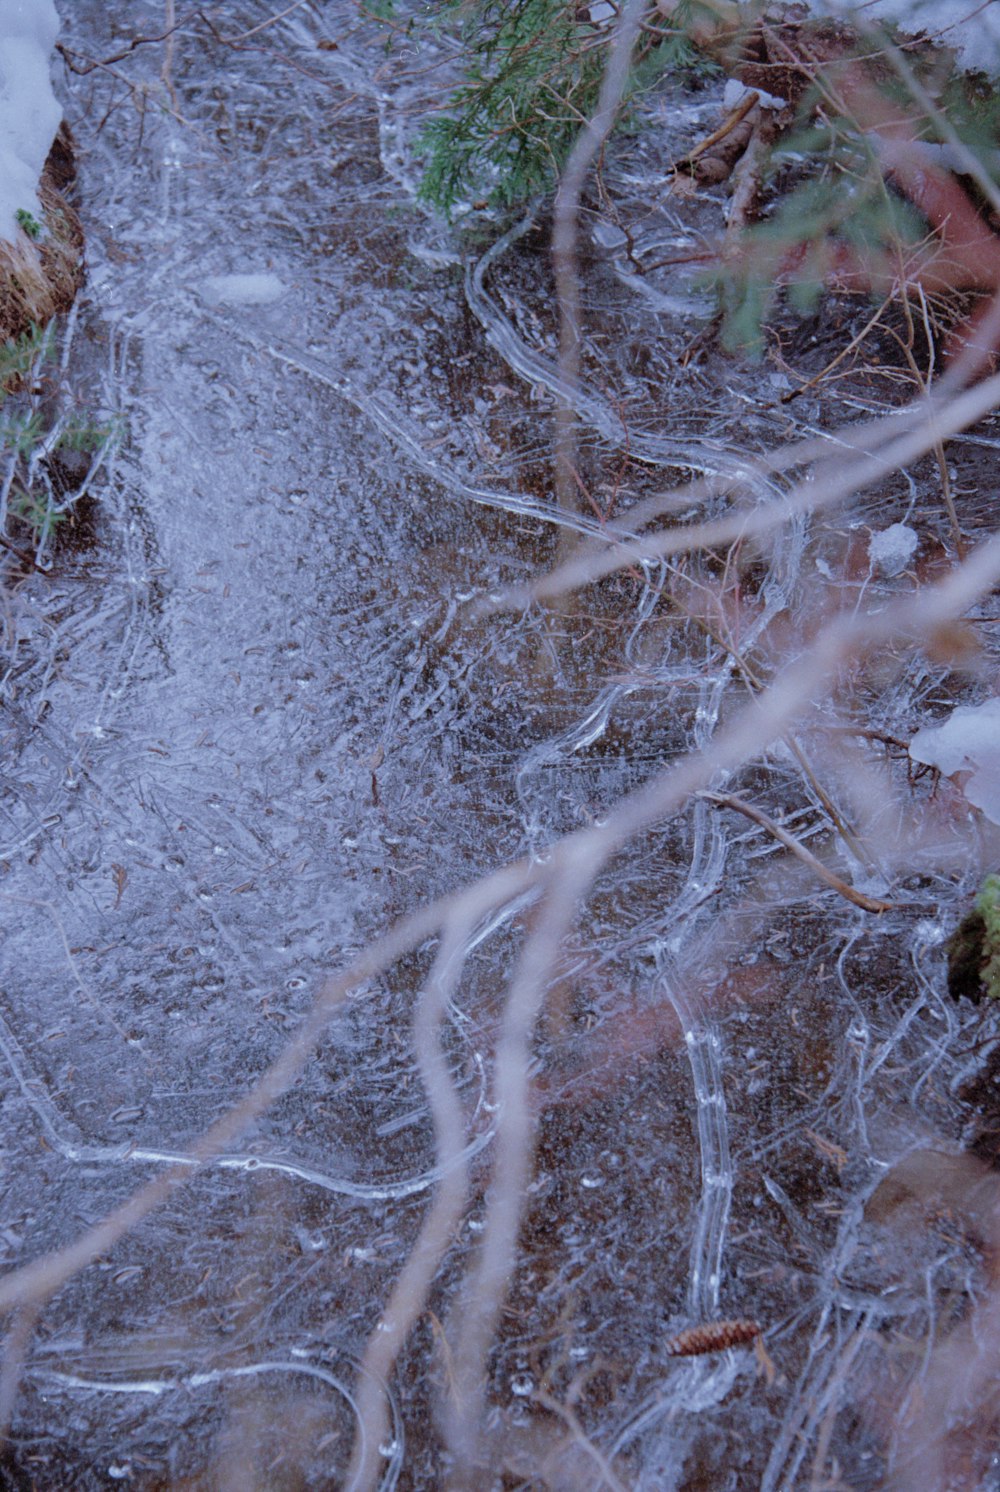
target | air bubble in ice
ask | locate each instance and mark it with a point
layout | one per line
(389, 1448)
(242, 290)
(590, 1180)
(521, 1385)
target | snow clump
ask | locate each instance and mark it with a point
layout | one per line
(968, 741)
(29, 112)
(892, 549)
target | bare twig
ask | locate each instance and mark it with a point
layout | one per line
(867, 903)
(89, 64)
(487, 1280)
(564, 233)
(564, 877)
(904, 436)
(750, 101)
(572, 1423)
(409, 1294)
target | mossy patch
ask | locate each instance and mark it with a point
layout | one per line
(974, 947)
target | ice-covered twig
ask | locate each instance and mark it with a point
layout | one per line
(409, 1293)
(910, 434)
(867, 903)
(564, 239)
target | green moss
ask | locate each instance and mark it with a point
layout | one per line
(988, 907)
(25, 432)
(974, 947)
(28, 222)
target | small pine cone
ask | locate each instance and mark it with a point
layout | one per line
(713, 1336)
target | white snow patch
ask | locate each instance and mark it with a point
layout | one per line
(971, 28)
(968, 741)
(735, 92)
(892, 548)
(243, 290)
(29, 112)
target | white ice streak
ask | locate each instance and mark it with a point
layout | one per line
(968, 741)
(735, 92)
(255, 289)
(29, 111)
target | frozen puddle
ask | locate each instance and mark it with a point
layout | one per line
(255, 717)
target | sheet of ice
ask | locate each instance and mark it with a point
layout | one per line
(892, 548)
(969, 741)
(29, 112)
(243, 290)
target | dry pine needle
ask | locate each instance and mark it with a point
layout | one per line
(712, 1336)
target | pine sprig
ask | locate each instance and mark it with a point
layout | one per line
(534, 75)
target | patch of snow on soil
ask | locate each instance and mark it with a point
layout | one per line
(968, 741)
(892, 549)
(29, 112)
(971, 28)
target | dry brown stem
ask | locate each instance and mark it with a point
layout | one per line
(757, 816)
(40, 280)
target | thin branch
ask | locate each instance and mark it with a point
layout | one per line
(924, 424)
(569, 1419)
(409, 1294)
(867, 903)
(564, 236)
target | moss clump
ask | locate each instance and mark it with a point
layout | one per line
(974, 947)
(988, 907)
